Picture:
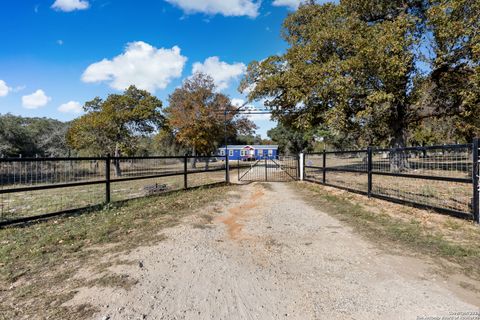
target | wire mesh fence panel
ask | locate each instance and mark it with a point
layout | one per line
(344, 169)
(40, 202)
(37, 187)
(206, 163)
(31, 187)
(313, 166)
(144, 167)
(348, 180)
(15, 173)
(440, 194)
(347, 160)
(437, 177)
(132, 189)
(438, 161)
(205, 178)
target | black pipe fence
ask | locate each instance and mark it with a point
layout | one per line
(441, 178)
(38, 188)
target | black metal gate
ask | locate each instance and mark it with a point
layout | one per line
(268, 169)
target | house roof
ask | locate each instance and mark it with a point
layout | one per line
(255, 146)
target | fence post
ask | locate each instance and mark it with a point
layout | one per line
(107, 179)
(369, 170)
(185, 170)
(475, 204)
(266, 176)
(324, 167)
(301, 163)
(227, 169)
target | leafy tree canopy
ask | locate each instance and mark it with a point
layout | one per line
(373, 69)
(116, 125)
(197, 114)
(32, 137)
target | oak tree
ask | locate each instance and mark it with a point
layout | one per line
(115, 124)
(374, 68)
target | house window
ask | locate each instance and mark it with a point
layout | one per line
(230, 153)
(222, 152)
(270, 152)
(243, 153)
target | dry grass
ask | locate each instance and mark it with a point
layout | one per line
(40, 263)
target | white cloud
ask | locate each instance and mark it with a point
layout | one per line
(35, 100)
(221, 72)
(225, 7)
(71, 107)
(70, 5)
(294, 4)
(141, 64)
(4, 89)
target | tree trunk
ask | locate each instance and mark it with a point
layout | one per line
(116, 162)
(194, 159)
(207, 162)
(398, 157)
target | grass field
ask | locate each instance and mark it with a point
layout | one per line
(38, 262)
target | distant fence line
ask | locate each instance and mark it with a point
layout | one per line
(443, 178)
(36, 188)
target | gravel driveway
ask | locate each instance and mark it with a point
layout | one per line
(269, 255)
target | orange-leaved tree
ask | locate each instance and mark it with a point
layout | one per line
(198, 116)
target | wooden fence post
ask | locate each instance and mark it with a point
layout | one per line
(107, 179)
(475, 202)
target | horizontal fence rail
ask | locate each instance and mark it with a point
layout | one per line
(434, 177)
(35, 188)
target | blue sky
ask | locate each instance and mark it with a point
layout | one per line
(57, 54)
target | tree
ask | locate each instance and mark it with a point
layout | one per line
(32, 137)
(115, 125)
(362, 68)
(197, 115)
(290, 141)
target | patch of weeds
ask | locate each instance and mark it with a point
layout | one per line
(452, 224)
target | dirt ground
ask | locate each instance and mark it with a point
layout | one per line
(267, 254)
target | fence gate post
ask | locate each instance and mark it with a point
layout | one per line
(107, 179)
(324, 167)
(369, 170)
(227, 169)
(185, 181)
(475, 202)
(301, 163)
(266, 177)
